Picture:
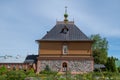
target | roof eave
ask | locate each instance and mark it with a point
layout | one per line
(64, 41)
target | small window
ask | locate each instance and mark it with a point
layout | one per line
(64, 30)
(20, 67)
(14, 67)
(8, 66)
(65, 49)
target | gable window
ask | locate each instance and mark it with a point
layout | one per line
(64, 30)
(65, 49)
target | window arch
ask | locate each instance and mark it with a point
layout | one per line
(64, 66)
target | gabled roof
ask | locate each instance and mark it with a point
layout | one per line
(18, 59)
(31, 59)
(11, 59)
(65, 32)
(98, 66)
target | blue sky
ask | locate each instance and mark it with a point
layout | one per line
(24, 21)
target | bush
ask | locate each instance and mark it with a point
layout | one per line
(3, 77)
(119, 69)
(30, 73)
(47, 70)
(15, 75)
(3, 70)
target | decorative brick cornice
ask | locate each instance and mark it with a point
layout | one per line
(69, 55)
(65, 58)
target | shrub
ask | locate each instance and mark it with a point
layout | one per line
(47, 68)
(119, 69)
(3, 70)
(15, 75)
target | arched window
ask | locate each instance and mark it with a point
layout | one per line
(64, 67)
(65, 49)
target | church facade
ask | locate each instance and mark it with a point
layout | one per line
(65, 48)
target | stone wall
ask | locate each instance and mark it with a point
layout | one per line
(73, 65)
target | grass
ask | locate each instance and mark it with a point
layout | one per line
(21, 75)
(89, 76)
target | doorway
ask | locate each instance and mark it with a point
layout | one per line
(64, 67)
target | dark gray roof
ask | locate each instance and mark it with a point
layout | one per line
(98, 66)
(31, 59)
(65, 32)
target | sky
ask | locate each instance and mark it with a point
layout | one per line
(24, 21)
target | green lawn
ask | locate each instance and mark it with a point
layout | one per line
(89, 76)
(21, 75)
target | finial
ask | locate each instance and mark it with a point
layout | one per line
(65, 15)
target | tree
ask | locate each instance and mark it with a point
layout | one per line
(3, 70)
(118, 69)
(110, 65)
(99, 48)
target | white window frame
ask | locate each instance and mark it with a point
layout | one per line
(65, 49)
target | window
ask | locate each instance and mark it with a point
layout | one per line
(20, 67)
(14, 67)
(8, 66)
(64, 67)
(65, 49)
(64, 30)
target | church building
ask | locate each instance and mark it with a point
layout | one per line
(65, 48)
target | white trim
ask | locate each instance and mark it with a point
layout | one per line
(65, 49)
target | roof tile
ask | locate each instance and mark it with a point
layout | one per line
(73, 33)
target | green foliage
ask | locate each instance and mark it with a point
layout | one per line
(48, 72)
(99, 48)
(79, 77)
(30, 73)
(119, 69)
(110, 65)
(47, 68)
(62, 78)
(3, 70)
(15, 75)
(22, 75)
